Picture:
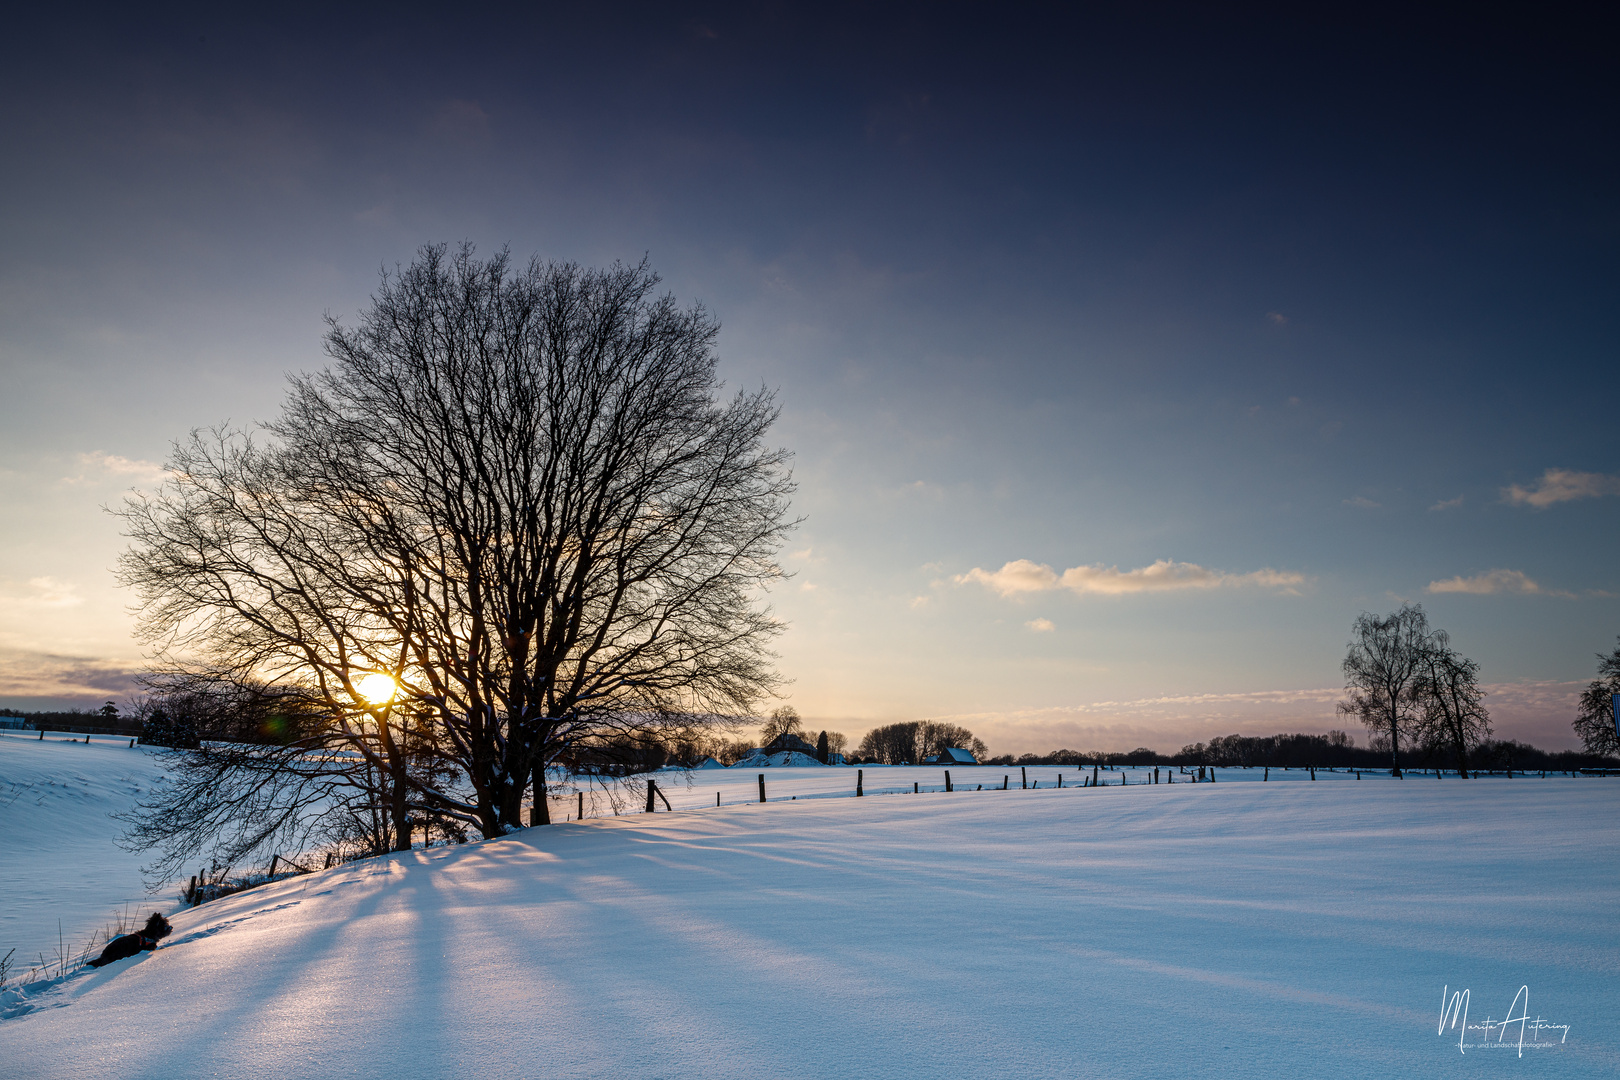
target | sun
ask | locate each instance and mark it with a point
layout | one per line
(377, 688)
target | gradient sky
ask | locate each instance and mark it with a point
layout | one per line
(1320, 311)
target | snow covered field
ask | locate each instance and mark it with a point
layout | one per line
(1233, 929)
(58, 862)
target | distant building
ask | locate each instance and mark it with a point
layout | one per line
(836, 759)
(955, 756)
(787, 743)
(13, 722)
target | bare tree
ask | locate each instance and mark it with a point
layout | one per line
(514, 500)
(1381, 669)
(914, 740)
(935, 737)
(1594, 719)
(784, 720)
(1451, 711)
(891, 744)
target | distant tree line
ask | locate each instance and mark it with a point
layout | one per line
(106, 718)
(1298, 751)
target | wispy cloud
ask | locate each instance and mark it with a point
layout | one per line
(1448, 504)
(41, 593)
(1492, 582)
(1041, 626)
(100, 466)
(27, 673)
(1361, 502)
(1562, 485)
(1022, 576)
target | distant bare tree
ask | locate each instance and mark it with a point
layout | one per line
(891, 744)
(935, 737)
(784, 720)
(730, 751)
(1381, 670)
(1451, 709)
(1594, 719)
(514, 494)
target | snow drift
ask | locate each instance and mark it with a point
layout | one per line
(1228, 929)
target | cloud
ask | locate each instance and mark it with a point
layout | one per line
(1277, 317)
(1492, 582)
(1562, 485)
(100, 465)
(1016, 577)
(30, 674)
(1022, 576)
(1041, 626)
(1361, 503)
(463, 123)
(42, 593)
(1448, 504)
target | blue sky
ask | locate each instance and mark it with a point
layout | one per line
(1321, 312)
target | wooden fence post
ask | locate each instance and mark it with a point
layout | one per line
(860, 775)
(948, 781)
(761, 787)
(914, 788)
(582, 806)
(273, 860)
(652, 789)
(1004, 779)
(1023, 778)
(1060, 779)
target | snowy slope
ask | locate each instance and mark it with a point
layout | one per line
(58, 861)
(1231, 929)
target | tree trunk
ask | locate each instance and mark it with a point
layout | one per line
(1395, 742)
(542, 809)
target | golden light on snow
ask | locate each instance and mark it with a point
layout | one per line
(377, 688)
